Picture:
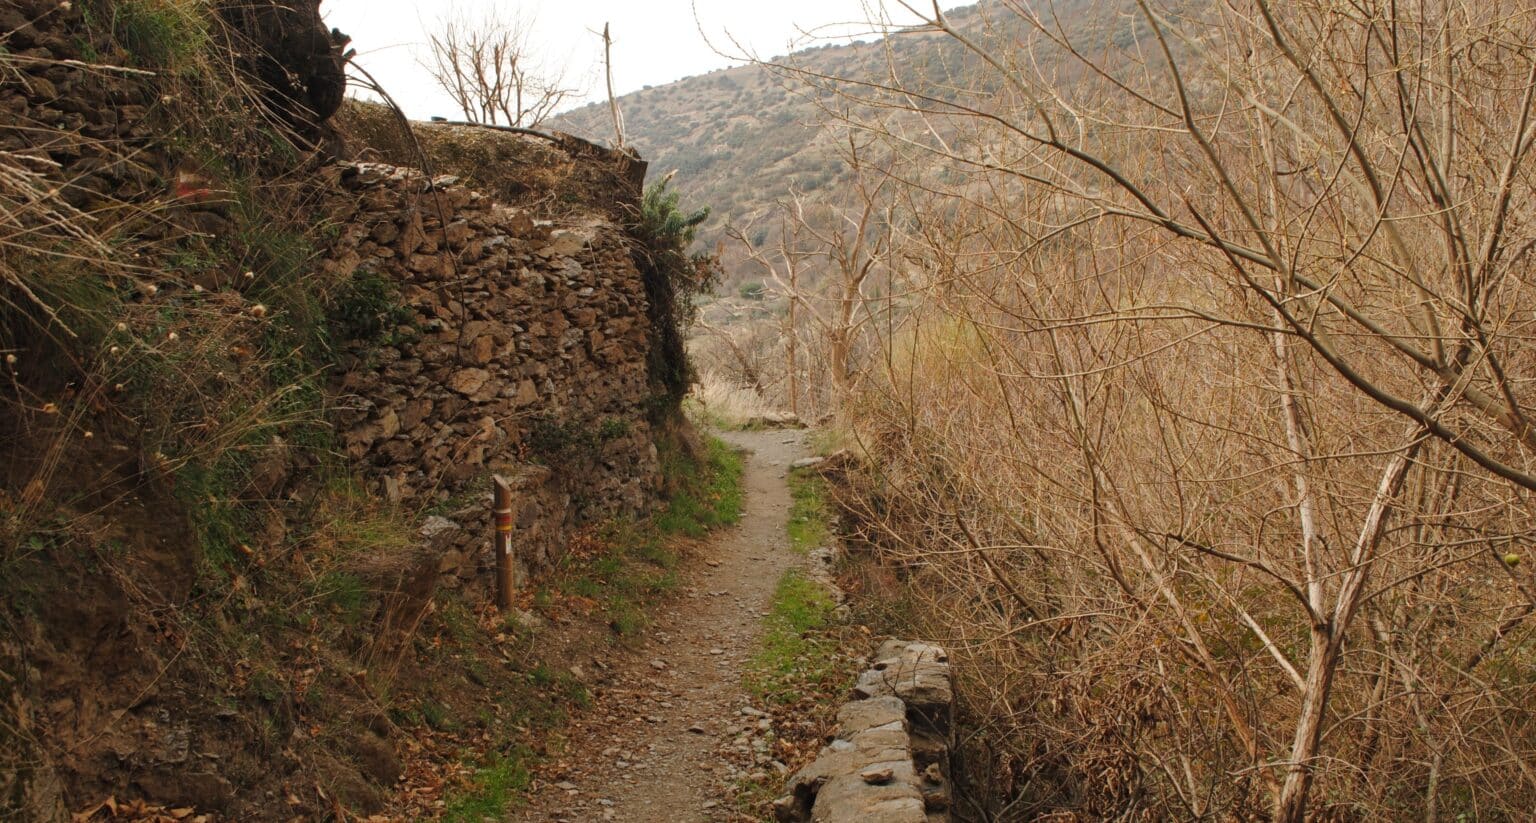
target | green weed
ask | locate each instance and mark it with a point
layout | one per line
(707, 495)
(211, 494)
(266, 686)
(345, 595)
(793, 658)
(553, 683)
(673, 277)
(495, 785)
(808, 513)
(613, 429)
(436, 715)
(368, 309)
(567, 441)
(627, 618)
(475, 490)
(553, 441)
(458, 621)
(155, 33)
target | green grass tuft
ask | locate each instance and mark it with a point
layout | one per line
(794, 659)
(167, 34)
(562, 685)
(808, 514)
(495, 785)
(212, 495)
(709, 494)
(345, 595)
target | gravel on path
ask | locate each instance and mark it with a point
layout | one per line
(653, 748)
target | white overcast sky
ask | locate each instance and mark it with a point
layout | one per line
(655, 41)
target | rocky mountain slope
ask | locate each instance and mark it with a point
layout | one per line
(746, 137)
(743, 138)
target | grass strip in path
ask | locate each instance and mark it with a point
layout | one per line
(804, 662)
(797, 658)
(809, 517)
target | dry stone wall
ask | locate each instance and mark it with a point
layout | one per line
(889, 761)
(521, 350)
(523, 355)
(57, 113)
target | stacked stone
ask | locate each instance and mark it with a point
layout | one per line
(517, 324)
(889, 762)
(81, 120)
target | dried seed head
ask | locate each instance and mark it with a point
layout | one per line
(50, 408)
(90, 435)
(172, 336)
(10, 360)
(258, 310)
(116, 350)
(151, 289)
(122, 327)
(250, 275)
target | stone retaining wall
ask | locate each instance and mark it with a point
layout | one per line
(889, 762)
(524, 356)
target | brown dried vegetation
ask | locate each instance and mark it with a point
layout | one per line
(1201, 433)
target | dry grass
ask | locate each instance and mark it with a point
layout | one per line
(719, 402)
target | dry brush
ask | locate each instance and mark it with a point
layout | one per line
(1205, 429)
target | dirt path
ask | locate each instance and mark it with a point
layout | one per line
(649, 751)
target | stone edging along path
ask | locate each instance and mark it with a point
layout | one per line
(889, 762)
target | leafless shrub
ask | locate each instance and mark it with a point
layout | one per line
(832, 263)
(1204, 432)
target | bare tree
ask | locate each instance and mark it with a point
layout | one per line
(823, 264)
(619, 140)
(489, 69)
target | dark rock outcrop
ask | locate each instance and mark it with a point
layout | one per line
(299, 63)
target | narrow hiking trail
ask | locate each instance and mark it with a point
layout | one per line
(651, 748)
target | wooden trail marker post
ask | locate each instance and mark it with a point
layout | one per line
(505, 570)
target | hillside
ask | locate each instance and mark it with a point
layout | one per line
(744, 138)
